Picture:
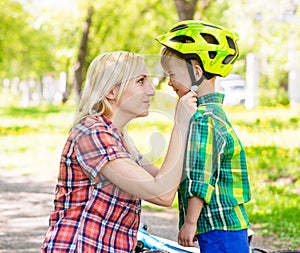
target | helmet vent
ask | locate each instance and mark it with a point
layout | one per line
(183, 39)
(213, 26)
(212, 54)
(228, 59)
(209, 38)
(230, 43)
(180, 27)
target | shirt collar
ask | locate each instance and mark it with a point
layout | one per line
(211, 98)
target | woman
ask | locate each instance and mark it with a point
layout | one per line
(102, 177)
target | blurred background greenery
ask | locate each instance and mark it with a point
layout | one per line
(43, 40)
(46, 46)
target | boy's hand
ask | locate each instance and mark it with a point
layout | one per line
(187, 235)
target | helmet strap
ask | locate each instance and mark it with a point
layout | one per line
(195, 83)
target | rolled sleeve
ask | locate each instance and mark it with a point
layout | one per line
(201, 160)
(201, 190)
(96, 148)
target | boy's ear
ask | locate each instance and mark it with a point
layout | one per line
(198, 71)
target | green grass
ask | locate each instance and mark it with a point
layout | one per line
(275, 205)
(32, 139)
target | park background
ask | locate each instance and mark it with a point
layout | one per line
(46, 46)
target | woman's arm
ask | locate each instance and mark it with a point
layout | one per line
(161, 188)
(149, 167)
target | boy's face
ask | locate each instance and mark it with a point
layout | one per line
(179, 76)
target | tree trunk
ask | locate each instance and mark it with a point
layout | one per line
(80, 63)
(185, 9)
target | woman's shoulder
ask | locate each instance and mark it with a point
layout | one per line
(94, 125)
(97, 122)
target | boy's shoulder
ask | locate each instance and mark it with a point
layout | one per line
(209, 110)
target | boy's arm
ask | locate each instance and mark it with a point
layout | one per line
(200, 161)
(186, 235)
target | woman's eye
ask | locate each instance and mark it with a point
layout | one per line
(141, 81)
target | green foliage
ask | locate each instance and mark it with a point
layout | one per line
(37, 39)
(16, 121)
(268, 30)
(134, 25)
(274, 163)
(273, 97)
(274, 209)
(269, 124)
(26, 48)
(274, 170)
(32, 138)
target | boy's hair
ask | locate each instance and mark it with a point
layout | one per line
(213, 46)
(166, 56)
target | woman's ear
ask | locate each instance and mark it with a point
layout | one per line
(112, 95)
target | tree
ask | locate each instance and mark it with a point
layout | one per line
(132, 27)
(185, 9)
(83, 49)
(191, 9)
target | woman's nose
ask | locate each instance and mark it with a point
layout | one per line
(149, 89)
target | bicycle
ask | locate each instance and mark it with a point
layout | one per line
(148, 243)
(152, 243)
(259, 250)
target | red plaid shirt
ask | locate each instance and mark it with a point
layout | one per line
(91, 214)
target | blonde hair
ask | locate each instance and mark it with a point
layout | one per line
(106, 72)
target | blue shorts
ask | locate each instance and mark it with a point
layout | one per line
(219, 241)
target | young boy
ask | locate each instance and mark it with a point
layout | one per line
(215, 186)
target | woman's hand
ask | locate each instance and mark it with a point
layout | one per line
(185, 109)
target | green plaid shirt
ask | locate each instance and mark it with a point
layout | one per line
(215, 169)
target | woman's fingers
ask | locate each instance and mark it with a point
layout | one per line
(190, 99)
(187, 106)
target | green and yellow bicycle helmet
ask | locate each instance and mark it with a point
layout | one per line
(214, 46)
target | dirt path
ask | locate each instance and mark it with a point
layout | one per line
(26, 201)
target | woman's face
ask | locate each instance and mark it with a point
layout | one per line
(179, 76)
(135, 99)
